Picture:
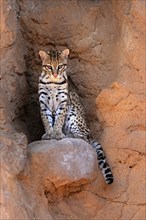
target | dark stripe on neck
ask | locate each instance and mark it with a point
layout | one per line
(57, 83)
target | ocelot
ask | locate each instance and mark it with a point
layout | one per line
(61, 111)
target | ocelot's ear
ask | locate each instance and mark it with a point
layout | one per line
(43, 55)
(65, 53)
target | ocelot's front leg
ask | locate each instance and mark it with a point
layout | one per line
(47, 119)
(59, 120)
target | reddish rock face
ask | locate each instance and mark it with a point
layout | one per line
(107, 65)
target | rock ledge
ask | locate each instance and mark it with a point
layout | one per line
(56, 164)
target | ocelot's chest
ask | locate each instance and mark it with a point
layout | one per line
(55, 95)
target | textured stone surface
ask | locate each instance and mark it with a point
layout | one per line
(13, 160)
(56, 169)
(107, 65)
(63, 162)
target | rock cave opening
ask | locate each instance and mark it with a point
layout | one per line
(88, 29)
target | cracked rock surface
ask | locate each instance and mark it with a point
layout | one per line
(107, 66)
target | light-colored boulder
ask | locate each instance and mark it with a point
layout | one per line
(64, 162)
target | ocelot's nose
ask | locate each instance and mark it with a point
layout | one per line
(55, 74)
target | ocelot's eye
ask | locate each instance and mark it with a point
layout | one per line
(61, 66)
(48, 67)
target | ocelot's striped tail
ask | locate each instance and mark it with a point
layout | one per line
(102, 162)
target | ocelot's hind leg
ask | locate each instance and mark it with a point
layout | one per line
(75, 125)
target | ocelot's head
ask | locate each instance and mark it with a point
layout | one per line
(54, 64)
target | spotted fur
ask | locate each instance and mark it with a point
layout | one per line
(61, 110)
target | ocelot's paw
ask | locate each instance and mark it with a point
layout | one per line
(58, 135)
(47, 136)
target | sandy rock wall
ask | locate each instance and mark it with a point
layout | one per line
(13, 81)
(107, 65)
